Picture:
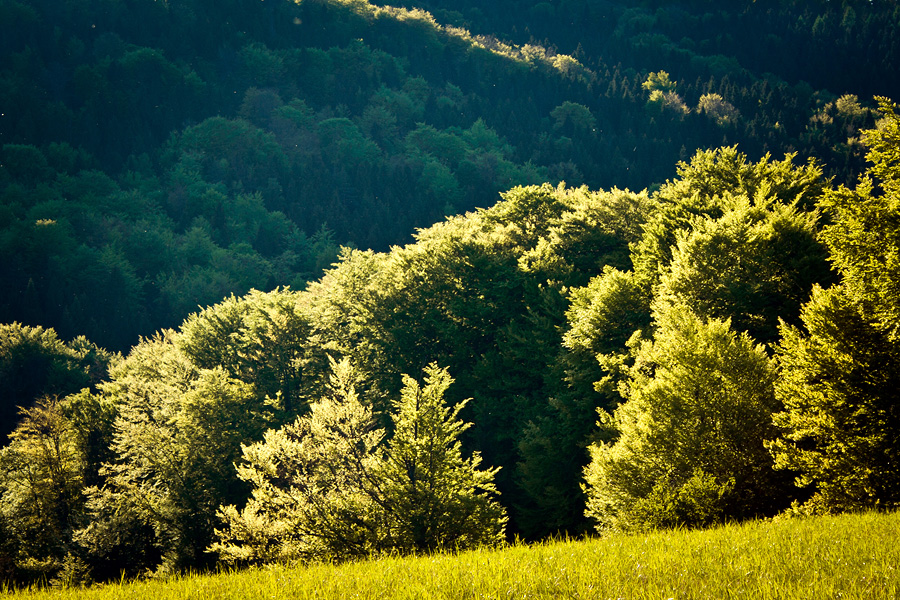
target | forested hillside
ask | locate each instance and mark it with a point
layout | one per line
(842, 47)
(325, 279)
(160, 155)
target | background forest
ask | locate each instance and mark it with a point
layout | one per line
(245, 233)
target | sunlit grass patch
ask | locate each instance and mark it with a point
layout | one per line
(851, 556)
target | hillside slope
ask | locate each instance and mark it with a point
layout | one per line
(159, 156)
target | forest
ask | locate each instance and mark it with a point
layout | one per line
(323, 279)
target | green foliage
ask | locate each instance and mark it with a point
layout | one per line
(135, 257)
(839, 382)
(264, 339)
(661, 102)
(572, 118)
(716, 108)
(864, 237)
(178, 433)
(839, 376)
(483, 295)
(116, 541)
(56, 450)
(707, 186)
(603, 315)
(436, 499)
(601, 319)
(315, 486)
(697, 501)
(689, 446)
(260, 124)
(727, 240)
(123, 207)
(659, 82)
(35, 363)
(712, 174)
(755, 265)
(324, 488)
(186, 401)
(40, 491)
(90, 419)
(593, 232)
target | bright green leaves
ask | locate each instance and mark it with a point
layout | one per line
(864, 242)
(659, 82)
(35, 362)
(689, 451)
(864, 238)
(40, 491)
(839, 384)
(326, 488)
(883, 149)
(482, 295)
(712, 174)
(662, 95)
(437, 498)
(718, 109)
(186, 403)
(840, 377)
(178, 434)
(755, 265)
(314, 485)
(55, 451)
(731, 244)
(729, 239)
(265, 339)
(604, 314)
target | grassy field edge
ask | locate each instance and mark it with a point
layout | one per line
(847, 556)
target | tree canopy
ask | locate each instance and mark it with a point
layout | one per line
(326, 487)
(300, 222)
(840, 370)
(264, 136)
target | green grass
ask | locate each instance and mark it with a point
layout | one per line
(851, 556)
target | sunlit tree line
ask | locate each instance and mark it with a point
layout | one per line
(723, 348)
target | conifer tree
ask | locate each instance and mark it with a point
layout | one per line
(325, 488)
(436, 498)
(315, 494)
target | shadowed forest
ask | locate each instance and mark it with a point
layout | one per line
(324, 279)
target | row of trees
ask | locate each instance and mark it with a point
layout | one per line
(735, 330)
(712, 426)
(114, 260)
(841, 46)
(140, 476)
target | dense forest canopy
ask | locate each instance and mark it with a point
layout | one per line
(321, 279)
(157, 156)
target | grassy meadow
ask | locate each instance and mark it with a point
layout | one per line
(850, 556)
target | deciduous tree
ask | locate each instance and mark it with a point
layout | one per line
(840, 373)
(689, 447)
